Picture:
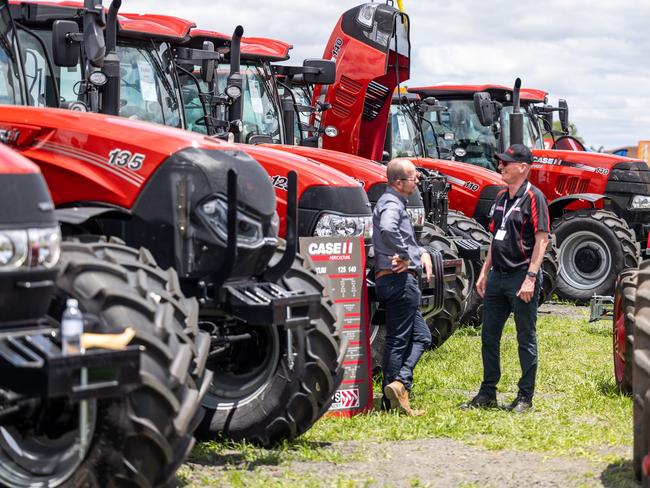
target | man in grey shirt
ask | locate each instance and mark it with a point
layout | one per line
(398, 260)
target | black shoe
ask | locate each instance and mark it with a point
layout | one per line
(520, 404)
(480, 401)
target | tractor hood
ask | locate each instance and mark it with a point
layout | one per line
(371, 47)
(472, 188)
(101, 160)
(371, 174)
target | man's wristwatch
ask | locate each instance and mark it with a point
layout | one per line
(532, 274)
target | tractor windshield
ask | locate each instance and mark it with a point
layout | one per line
(146, 85)
(404, 138)
(532, 136)
(460, 134)
(10, 92)
(261, 114)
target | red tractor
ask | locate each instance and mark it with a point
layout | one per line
(183, 201)
(134, 403)
(599, 203)
(269, 115)
(329, 202)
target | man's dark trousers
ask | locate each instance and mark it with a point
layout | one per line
(501, 299)
(407, 334)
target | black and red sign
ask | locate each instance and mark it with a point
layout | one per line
(341, 261)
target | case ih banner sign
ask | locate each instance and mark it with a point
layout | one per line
(342, 260)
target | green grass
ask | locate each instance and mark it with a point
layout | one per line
(577, 409)
(577, 412)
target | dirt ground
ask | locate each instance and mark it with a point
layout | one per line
(437, 462)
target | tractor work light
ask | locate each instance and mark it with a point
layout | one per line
(331, 131)
(233, 91)
(417, 216)
(640, 202)
(249, 230)
(343, 225)
(29, 248)
(98, 78)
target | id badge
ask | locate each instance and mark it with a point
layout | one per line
(500, 235)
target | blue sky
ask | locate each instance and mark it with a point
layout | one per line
(592, 53)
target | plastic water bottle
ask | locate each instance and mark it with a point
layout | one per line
(72, 326)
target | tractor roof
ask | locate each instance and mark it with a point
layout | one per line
(159, 26)
(251, 47)
(501, 93)
(130, 25)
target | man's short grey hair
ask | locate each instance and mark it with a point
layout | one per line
(396, 170)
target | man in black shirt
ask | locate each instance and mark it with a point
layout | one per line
(510, 278)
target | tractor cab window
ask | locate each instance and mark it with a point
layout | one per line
(10, 92)
(40, 80)
(460, 134)
(261, 114)
(532, 137)
(146, 85)
(193, 108)
(405, 141)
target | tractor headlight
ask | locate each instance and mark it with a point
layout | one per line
(249, 230)
(343, 225)
(29, 248)
(417, 215)
(640, 201)
(275, 224)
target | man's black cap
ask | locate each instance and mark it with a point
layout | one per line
(515, 154)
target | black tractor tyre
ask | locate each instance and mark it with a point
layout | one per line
(443, 324)
(290, 399)
(460, 225)
(594, 247)
(641, 370)
(550, 268)
(623, 329)
(140, 438)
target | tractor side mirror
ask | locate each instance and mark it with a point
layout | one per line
(484, 108)
(319, 71)
(207, 65)
(65, 43)
(564, 115)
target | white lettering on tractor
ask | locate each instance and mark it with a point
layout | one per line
(279, 182)
(316, 248)
(125, 159)
(337, 47)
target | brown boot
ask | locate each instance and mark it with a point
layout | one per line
(399, 398)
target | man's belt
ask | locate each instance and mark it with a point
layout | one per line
(386, 272)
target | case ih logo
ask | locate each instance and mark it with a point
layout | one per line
(345, 399)
(329, 248)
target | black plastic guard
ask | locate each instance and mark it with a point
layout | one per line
(32, 364)
(270, 304)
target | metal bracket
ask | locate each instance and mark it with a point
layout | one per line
(599, 307)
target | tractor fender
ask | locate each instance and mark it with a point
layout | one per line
(556, 207)
(80, 215)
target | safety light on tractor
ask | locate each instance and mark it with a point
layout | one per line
(341, 225)
(98, 78)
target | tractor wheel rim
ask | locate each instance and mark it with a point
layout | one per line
(42, 460)
(238, 388)
(585, 260)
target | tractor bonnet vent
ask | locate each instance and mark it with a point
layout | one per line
(376, 96)
(568, 185)
(345, 96)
